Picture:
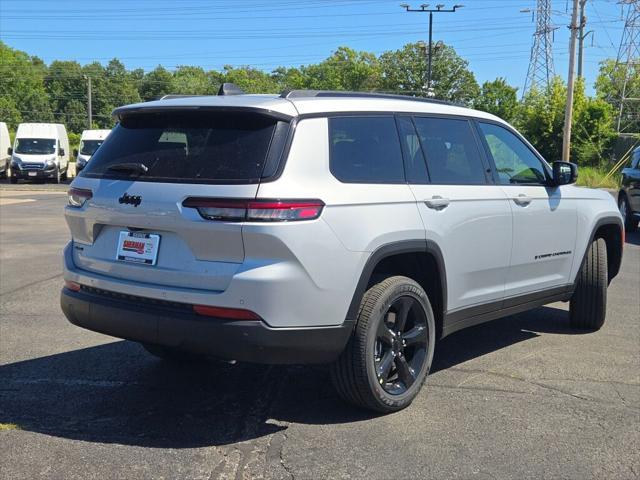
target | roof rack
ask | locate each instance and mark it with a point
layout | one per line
(339, 93)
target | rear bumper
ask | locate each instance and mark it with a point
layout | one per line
(175, 325)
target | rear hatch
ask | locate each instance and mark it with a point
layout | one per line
(135, 227)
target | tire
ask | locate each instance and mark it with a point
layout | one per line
(630, 221)
(5, 174)
(13, 180)
(64, 177)
(58, 176)
(171, 355)
(375, 343)
(588, 306)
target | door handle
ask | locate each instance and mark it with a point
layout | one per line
(437, 202)
(522, 200)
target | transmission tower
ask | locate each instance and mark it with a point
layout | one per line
(628, 61)
(541, 69)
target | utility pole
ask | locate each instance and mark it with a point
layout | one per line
(89, 112)
(566, 138)
(582, 36)
(424, 8)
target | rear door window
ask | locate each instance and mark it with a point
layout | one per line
(451, 151)
(206, 147)
(365, 150)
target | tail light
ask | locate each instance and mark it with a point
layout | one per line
(77, 197)
(255, 210)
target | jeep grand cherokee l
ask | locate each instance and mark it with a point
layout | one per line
(325, 227)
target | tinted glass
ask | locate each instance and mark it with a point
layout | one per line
(451, 151)
(365, 150)
(415, 166)
(515, 162)
(35, 146)
(205, 147)
(89, 147)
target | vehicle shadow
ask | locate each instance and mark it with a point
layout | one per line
(632, 238)
(117, 393)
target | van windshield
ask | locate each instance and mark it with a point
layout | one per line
(202, 147)
(35, 146)
(89, 147)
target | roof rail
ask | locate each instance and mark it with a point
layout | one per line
(340, 93)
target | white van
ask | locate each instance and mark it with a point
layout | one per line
(89, 143)
(5, 150)
(40, 152)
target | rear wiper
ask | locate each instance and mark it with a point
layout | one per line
(131, 167)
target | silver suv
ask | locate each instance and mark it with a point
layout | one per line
(327, 227)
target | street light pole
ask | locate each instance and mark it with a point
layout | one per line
(424, 8)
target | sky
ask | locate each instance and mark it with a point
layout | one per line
(495, 36)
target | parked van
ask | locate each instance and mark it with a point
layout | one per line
(89, 143)
(5, 150)
(40, 152)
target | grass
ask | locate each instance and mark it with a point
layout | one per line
(595, 178)
(9, 426)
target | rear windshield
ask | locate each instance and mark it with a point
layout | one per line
(202, 147)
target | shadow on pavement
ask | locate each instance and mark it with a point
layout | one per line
(117, 393)
(632, 238)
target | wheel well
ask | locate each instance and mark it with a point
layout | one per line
(612, 235)
(421, 267)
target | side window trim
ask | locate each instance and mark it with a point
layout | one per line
(487, 167)
(491, 160)
(405, 153)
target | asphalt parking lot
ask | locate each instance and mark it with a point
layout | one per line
(521, 397)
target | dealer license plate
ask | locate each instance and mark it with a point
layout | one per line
(138, 247)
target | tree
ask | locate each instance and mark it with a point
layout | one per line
(498, 98)
(609, 84)
(250, 79)
(405, 71)
(192, 81)
(345, 69)
(155, 84)
(23, 85)
(541, 119)
(67, 93)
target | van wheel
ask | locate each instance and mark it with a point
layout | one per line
(172, 355)
(57, 177)
(64, 177)
(588, 306)
(630, 222)
(390, 352)
(5, 174)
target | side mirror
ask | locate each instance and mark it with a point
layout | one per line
(61, 152)
(10, 151)
(564, 173)
(75, 152)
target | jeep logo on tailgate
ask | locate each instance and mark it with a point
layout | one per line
(134, 200)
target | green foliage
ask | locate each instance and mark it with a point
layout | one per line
(33, 91)
(405, 71)
(541, 120)
(609, 86)
(594, 177)
(498, 98)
